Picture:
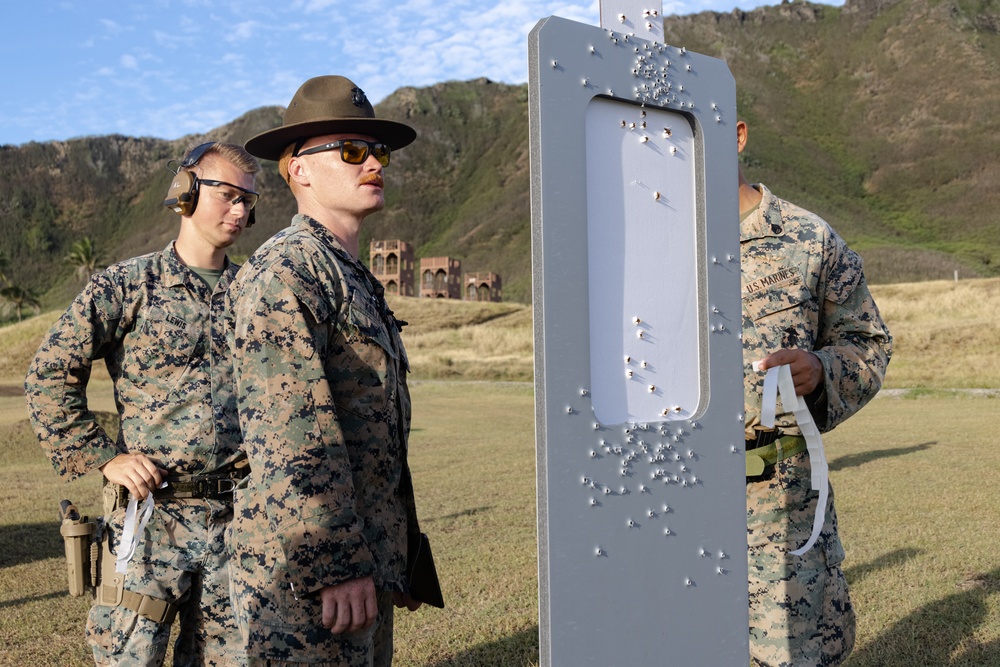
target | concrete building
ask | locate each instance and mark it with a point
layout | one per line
(392, 263)
(440, 278)
(482, 286)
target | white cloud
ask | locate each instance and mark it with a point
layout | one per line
(241, 31)
(89, 94)
(313, 6)
(190, 65)
(111, 27)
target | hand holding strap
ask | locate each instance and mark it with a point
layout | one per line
(132, 533)
(779, 379)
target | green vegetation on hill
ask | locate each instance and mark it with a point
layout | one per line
(878, 115)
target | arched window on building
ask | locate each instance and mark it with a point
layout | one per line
(391, 287)
(428, 279)
(378, 264)
(392, 263)
(441, 281)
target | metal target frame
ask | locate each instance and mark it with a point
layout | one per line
(638, 361)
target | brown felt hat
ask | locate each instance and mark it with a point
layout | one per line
(328, 105)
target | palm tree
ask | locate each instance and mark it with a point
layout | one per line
(20, 297)
(84, 257)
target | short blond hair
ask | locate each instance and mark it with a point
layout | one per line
(232, 153)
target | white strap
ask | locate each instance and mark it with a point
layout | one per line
(131, 534)
(779, 379)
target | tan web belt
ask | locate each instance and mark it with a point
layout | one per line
(111, 593)
(158, 611)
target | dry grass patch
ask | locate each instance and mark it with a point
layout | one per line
(19, 342)
(469, 341)
(946, 333)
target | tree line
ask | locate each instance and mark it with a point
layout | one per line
(15, 298)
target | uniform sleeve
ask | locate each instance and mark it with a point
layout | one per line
(854, 343)
(56, 384)
(299, 462)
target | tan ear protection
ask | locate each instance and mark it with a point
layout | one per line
(182, 195)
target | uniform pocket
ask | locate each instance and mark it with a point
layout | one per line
(159, 354)
(167, 335)
(362, 372)
(783, 313)
(109, 630)
(366, 326)
(773, 295)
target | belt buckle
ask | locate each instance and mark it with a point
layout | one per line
(213, 487)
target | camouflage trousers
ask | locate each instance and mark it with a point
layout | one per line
(182, 559)
(307, 642)
(800, 610)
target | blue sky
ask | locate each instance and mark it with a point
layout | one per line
(169, 68)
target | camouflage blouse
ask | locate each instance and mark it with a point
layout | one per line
(162, 335)
(804, 288)
(325, 411)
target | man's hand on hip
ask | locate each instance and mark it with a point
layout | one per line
(350, 606)
(136, 472)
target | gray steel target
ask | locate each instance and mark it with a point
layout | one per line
(638, 363)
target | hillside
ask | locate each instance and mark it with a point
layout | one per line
(879, 115)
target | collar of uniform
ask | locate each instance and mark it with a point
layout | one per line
(765, 221)
(229, 272)
(326, 236)
(322, 233)
(175, 273)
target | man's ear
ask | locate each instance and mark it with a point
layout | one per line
(298, 171)
(741, 136)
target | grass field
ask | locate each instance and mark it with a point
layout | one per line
(916, 479)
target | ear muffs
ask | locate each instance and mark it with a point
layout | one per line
(182, 196)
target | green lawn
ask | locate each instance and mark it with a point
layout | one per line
(916, 483)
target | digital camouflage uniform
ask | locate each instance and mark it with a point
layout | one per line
(802, 288)
(161, 333)
(325, 411)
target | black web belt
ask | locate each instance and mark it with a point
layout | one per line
(218, 485)
(207, 487)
